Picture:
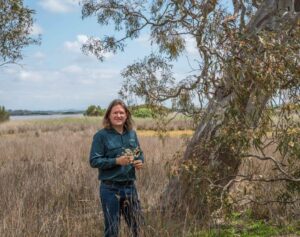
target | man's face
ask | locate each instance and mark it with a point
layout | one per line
(117, 116)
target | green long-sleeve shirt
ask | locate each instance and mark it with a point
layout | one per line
(107, 145)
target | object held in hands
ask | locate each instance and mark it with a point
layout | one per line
(132, 152)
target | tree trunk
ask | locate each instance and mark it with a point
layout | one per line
(207, 165)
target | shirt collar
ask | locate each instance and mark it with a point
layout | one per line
(112, 130)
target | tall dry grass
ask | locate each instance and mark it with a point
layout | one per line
(47, 187)
(86, 123)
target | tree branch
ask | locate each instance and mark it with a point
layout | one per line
(276, 163)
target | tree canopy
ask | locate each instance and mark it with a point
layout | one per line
(230, 48)
(94, 110)
(15, 27)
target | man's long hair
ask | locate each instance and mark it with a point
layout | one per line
(128, 123)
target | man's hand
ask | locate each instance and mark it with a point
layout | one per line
(124, 160)
(138, 164)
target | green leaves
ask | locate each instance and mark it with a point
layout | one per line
(15, 27)
(94, 110)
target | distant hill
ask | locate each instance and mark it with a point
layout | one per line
(43, 112)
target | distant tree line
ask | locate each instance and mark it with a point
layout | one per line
(22, 112)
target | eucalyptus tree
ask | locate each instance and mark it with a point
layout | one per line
(16, 21)
(245, 89)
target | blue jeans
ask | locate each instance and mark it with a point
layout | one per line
(119, 200)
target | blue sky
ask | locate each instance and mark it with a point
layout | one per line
(56, 75)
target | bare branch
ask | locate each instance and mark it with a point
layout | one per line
(268, 201)
(5, 63)
(276, 163)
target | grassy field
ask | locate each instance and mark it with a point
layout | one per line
(47, 187)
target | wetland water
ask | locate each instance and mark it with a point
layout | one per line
(50, 116)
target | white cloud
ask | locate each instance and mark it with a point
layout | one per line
(70, 75)
(72, 69)
(76, 45)
(191, 45)
(87, 75)
(36, 29)
(82, 38)
(9, 70)
(39, 55)
(32, 76)
(144, 39)
(108, 55)
(73, 86)
(98, 74)
(60, 6)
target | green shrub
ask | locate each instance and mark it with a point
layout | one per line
(4, 115)
(94, 110)
(142, 113)
(148, 111)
